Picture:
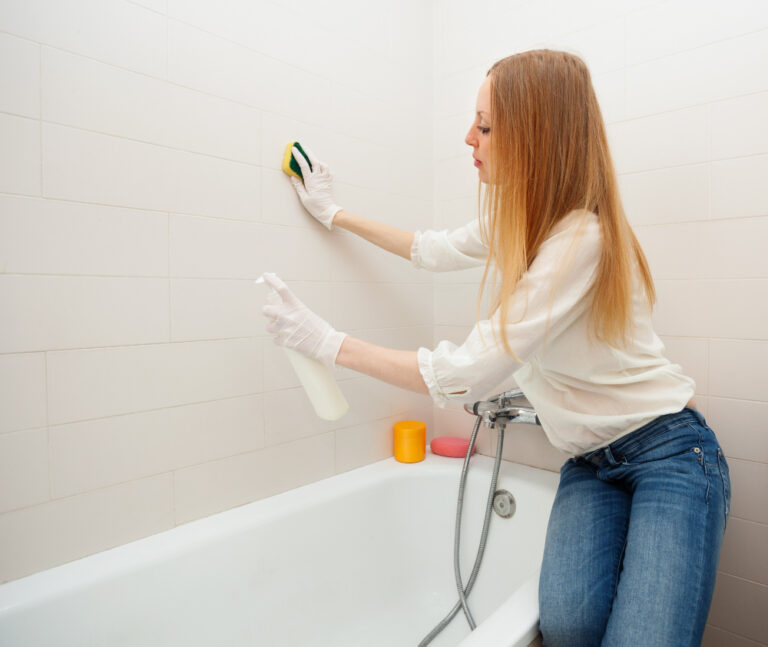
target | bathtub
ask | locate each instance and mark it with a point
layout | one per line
(362, 558)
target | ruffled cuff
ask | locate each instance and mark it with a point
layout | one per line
(330, 347)
(435, 384)
(416, 259)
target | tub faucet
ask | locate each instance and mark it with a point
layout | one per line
(504, 407)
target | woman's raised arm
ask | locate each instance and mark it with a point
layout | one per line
(392, 239)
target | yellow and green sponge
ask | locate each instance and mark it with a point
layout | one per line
(290, 165)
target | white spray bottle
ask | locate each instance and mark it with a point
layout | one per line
(323, 392)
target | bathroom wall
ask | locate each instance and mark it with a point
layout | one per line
(683, 86)
(140, 195)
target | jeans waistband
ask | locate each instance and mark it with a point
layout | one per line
(626, 444)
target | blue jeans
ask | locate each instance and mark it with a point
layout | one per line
(634, 539)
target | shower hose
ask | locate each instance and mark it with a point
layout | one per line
(464, 592)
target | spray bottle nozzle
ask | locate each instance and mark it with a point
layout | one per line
(273, 298)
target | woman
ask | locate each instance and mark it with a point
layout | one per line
(635, 531)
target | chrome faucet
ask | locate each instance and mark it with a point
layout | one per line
(504, 408)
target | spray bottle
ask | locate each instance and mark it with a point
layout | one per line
(321, 389)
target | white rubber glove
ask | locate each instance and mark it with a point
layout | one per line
(296, 326)
(315, 191)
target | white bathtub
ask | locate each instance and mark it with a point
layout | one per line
(362, 558)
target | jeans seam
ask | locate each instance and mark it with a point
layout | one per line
(702, 461)
(620, 562)
(726, 491)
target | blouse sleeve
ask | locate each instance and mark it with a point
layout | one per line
(442, 251)
(549, 297)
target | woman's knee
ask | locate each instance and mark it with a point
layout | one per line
(576, 627)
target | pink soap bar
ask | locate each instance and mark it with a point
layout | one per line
(451, 446)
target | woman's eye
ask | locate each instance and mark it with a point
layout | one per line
(483, 130)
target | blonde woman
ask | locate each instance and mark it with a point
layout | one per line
(635, 531)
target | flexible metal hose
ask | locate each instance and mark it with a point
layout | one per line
(464, 592)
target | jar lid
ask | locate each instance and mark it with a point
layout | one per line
(410, 427)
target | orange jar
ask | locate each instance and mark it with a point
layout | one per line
(410, 441)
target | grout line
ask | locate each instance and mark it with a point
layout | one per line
(47, 425)
(698, 47)
(626, 75)
(715, 279)
(708, 120)
(145, 8)
(173, 498)
(147, 142)
(727, 397)
(141, 412)
(170, 302)
(733, 633)
(40, 116)
(745, 460)
(696, 222)
(762, 524)
(167, 46)
(742, 579)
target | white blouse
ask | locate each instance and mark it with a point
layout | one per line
(586, 393)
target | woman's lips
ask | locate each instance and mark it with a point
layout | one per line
(478, 163)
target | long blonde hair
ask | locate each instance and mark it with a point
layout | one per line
(548, 157)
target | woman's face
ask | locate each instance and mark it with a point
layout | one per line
(478, 136)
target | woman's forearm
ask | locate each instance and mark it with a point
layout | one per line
(398, 367)
(397, 241)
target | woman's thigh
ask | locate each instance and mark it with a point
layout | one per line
(679, 509)
(582, 556)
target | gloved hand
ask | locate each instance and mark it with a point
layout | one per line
(296, 326)
(315, 191)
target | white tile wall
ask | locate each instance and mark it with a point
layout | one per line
(58, 312)
(601, 45)
(215, 485)
(208, 63)
(674, 138)
(150, 376)
(89, 95)
(732, 134)
(718, 71)
(736, 187)
(45, 535)
(40, 236)
(22, 391)
(140, 195)
(98, 453)
(19, 76)
(23, 469)
(116, 32)
(116, 171)
(667, 195)
(20, 163)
